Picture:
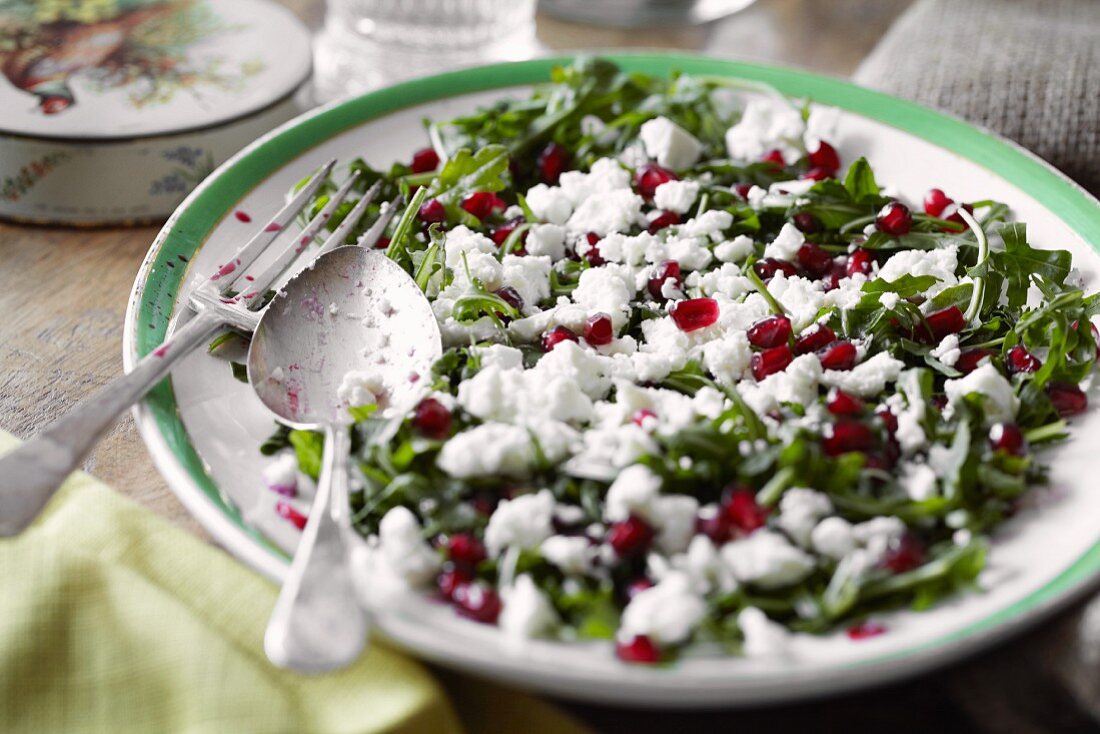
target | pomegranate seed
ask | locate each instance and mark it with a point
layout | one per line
(631, 537)
(1068, 399)
(432, 419)
(838, 270)
(825, 157)
(598, 330)
(511, 296)
(767, 267)
(501, 233)
(432, 211)
(860, 261)
(424, 160)
(637, 586)
(450, 578)
(742, 190)
(814, 259)
(839, 402)
(770, 332)
(846, 436)
(668, 270)
(649, 177)
(817, 173)
(953, 216)
(906, 555)
(481, 203)
(242, 216)
(642, 416)
(286, 511)
(592, 254)
(894, 219)
(556, 336)
(716, 527)
(939, 324)
(1019, 359)
(743, 511)
(640, 650)
(889, 420)
(839, 355)
(1007, 437)
(477, 602)
(969, 359)
(664, 219)
(806, 223)
(695, 313)
(382, 244)
(770, 361)
(466, 550)
(935, 201)
(775, 157)
(864, 630)
(552, 161)
(814, 338)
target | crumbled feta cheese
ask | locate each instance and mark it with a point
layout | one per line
(866, 379)
(802, 298)
(799, 511)
(403, 549)
(940, 263)
(677, 522)
(947, 351)
(546, 239)
(763, 637)
(691, 252)
(634, 492)
(910, 434)
(833, 538)
(530, 276)
(918, 480)
(672, 146)
(502, 449)
(666, 613)
(734, 250)
(710, 224)
(499, 355)
(796, 384)
(998, 398)
(676, 196)
(786, 244)
(889, 299)
(726, 280)
(571, 361)
(572, 554)
(767, 559)
(608, 289)
(549, 203)
(878, 534)
(463, 240)
(821, 125)
(281, 475)
(361, 387)
(606, 175)
(607, 212)
(523, 522)
(766, 123)
(527, 612)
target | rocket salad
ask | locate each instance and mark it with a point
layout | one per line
(702, 381)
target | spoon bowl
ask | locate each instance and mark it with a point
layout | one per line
(351, 330)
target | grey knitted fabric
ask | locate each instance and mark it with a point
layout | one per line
(1028, 69)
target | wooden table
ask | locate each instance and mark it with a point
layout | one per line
(63, 293)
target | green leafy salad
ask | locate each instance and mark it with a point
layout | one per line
(704, 383)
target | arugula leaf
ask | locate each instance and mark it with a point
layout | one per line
(308, 446)
(860, 181)
(1018, 261)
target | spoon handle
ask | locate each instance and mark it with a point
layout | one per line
(317, 624)
(30, 474)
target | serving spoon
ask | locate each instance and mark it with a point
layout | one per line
(353, 311)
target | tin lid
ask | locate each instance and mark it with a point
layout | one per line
(139, 68)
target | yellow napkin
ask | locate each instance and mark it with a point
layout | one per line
(112, 620)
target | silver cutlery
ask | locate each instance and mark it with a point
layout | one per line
(228, 299)
(309, 338)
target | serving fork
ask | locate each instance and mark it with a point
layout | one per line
(230, 299)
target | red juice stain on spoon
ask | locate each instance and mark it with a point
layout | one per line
(242, 216)
(161, 350)
(273, 227)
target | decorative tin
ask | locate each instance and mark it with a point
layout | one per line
(111, 111)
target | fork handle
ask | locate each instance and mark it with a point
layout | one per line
(30, 474)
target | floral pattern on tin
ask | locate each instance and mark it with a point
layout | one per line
(12, 188)
(194, 164)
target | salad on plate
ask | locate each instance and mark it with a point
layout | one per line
(705, 386)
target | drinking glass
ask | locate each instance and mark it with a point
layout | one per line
(371, 43)
(643, 13)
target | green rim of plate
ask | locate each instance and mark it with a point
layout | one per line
(216, 199)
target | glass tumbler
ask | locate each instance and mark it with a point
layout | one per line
(370, 43)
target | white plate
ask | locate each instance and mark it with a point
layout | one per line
(204, 431)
